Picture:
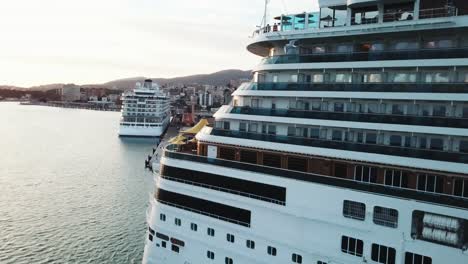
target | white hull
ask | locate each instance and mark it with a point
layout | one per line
(313, 229)
(141, 131)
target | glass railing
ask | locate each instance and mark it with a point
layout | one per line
(293, 22)
(365, 87)
(419, 54)
(376, 188)
(357, 117)
(349, 146)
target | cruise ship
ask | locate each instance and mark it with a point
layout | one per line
(145, 111)
(349, 145)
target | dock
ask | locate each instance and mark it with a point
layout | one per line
(152, 161)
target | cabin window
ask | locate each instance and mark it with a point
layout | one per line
(177, 222)
(314, 132)
(297, 164)
(175, 248)
(193, 227)
(365, 174)
(337, 135)
(354, 210)
(430, 183)
(230, 238)
(271, 251)
(437, 143)
(210, 254)
(352, 246)
(383, 254)
(228, 260)
(272, 160)
(253, 127)
(460, 187)
(395, 140)
(435, 77)
(242, 127)
(248, 156)
(210, 232)
(162, 217)
(296, 258)
(401, 77)
(464, 146)
(227, 153)
(371, 138)
(338, 107)
(343, 77)
(396, 178)
(413, 258)
(250, 244)
(385, 216)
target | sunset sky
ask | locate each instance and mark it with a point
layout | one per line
(94, 41)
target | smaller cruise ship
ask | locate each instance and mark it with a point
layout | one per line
(145, 111)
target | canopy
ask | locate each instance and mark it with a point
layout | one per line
(179, 140)
(195, 129)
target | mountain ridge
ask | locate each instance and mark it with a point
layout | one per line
(216, 78)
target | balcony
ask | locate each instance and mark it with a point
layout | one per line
(303, 21)
(419, 54)
(418, 87)
(349, 146)
(374, 188)
(357, 117)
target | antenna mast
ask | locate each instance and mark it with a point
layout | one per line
(265, 13)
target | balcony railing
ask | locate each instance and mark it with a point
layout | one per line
(349, 146)
(418, 87)
(420, 54)
(291, 24)
(375, 188)
(417, 54)
(357, 117)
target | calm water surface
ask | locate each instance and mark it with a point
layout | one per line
(71, 191)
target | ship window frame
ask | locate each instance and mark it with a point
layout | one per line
(385, 216)
(352, 246)
(365, 174)
(210, 232)
(271, 251)
(230, 238)
(354, 210)
(410, 258)
(193, 227)
(390, 176)
(296, 258)
(162, 217)
(435, 186)
(250, 244)
(383, 254)
(210, 254)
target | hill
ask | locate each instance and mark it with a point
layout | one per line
(217, 78)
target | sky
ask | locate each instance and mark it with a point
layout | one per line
(95, 41)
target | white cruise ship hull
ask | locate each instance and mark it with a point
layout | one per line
(313, 228)
(140, 131)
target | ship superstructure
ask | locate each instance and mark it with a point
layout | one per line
(349, 145)
(145, 111)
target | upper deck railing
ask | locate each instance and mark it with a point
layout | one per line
(376, 188)
(409, 54)
(302, 21)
